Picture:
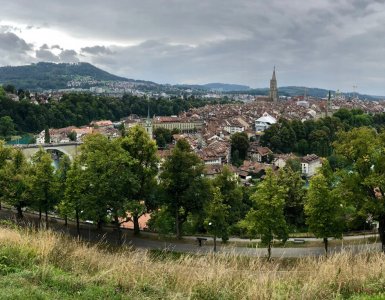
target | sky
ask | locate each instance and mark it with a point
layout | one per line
(332, 44)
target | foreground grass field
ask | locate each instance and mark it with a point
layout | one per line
(45, 265)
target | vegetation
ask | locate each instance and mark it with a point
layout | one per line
(239, 146)
(316, 136)
(325, 212)
(45, 76)
(81, 108)
(44, 265)
(185, 189)
(266, 219)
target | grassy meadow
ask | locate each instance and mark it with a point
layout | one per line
(45, 265)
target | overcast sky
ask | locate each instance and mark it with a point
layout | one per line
(332, 44)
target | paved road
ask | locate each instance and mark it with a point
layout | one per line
(151, 241)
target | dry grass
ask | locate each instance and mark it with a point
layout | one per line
(145, 275)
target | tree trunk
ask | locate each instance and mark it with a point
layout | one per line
(136, 224)
(326, 245)
(381, 231)
(118, 230)
(215, 243)
(269, 251)
(177, 225)
(65, 221)
(19, 212)
(100, 225)
(46, 219)
(39, 214)
(77, 223)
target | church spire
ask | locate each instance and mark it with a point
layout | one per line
(273, 88)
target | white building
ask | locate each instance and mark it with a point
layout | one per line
(309, 164)
(264, 122)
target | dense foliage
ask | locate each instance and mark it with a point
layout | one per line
(316, 136)
(81, 108)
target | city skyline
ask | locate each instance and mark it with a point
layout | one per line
(327, 44)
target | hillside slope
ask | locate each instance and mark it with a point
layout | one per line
(52, 76)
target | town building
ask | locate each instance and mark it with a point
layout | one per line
(264, 122)
(309, 164)
(175, 122)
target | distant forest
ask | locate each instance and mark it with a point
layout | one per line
(80, 109)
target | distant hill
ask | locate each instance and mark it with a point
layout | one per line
(290, 91)
(217, 87)
(225, 87)
(43, 75)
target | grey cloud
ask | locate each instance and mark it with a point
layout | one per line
(325, 43)
(56, 47)
(46, 55)
(68, 56)
(11, 42)
(14, 50)
(96, 50)
(44, 47)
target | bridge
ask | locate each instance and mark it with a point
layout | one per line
(69, 149)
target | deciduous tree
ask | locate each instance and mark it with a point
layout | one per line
(267, 217)
(185, 188)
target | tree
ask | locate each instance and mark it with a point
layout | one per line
(7, 127)
(162, 136)
(239, 142)
(74, 193)
(47, 137)
(290, 179)
(325, 215)
(43, 183)
(216, 217)
(72, 136)
(61, 176)
(267, 217)
(184, 186)
(9, 88)
(14, 183)
(5, 154)
(232, 195)
(110, 180)
(143, 150)
(363, 151)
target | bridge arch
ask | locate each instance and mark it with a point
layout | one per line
(69, 149)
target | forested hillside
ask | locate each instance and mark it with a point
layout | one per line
(52, 76)
(80, 109)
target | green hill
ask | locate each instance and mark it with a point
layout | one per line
(43, 75)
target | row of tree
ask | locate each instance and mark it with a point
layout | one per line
(112, 177)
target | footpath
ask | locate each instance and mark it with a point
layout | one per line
(189, 244)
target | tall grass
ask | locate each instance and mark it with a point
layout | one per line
(70, 266)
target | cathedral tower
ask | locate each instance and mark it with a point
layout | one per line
(273, 88)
